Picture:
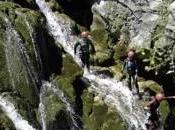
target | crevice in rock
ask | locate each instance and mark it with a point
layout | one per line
(26, 4)
(79, 85)
(78, 10)
(51, 55)
(61, 122)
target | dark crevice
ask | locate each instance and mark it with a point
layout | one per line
(78, 10)
(51, 55)
(80, 84)
(61, 122)
(31, 4)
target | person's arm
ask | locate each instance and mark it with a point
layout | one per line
(75, 47)
(151, 102)
(171, 97)
(124, 65)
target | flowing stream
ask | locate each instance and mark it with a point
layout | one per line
(9, 109)
(113, 92)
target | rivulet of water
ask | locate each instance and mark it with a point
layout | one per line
(18, 121)
(15, 44)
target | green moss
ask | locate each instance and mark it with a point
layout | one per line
(53, 106)
(120, 50)
(88, 100)
(151, 84)
(100, 39)
(4, 76)
(113, 122)
(70, 71)
(103, 58)
(117, 71)
(98, 116)
(164, 110)
(8, 5)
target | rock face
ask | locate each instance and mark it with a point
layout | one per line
(29, 55)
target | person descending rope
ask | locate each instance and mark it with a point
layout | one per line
(130, 70)
(152, 107)
(84, 47)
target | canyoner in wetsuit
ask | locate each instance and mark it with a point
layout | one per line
(130, 70)
(153, 108)
(83, 47)
(154, 114)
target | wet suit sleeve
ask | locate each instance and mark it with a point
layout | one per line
(124, 65)
(75, 47)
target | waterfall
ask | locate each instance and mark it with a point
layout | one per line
(35, 47)
(9, 109)
(15, 44)
(58, 29)
(46, 87)
(42, 108)
(114, 92)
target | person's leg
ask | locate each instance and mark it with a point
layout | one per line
(135, 82)
(82, 60)
(128, 77)
(87, 62)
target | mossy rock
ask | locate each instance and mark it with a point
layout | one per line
(120, 51)
(98, 23)
(53, 4)
(52, 106)
(69, 73)
(100, 39)
(103, 58)
(117, 71)
(24, 3)
(151, 84)
(98, 116)
(4, 6)
(164, 110)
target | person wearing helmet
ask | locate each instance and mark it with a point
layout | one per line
(130, 70)
(84, 47)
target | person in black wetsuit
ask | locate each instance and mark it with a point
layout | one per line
(130, 70)
(84, 47)
(153, 106)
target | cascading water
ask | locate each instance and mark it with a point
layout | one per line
(46, 87)
(42, 108)
(114, 92)
(35, 47)
(14, 41)
(9, 109)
